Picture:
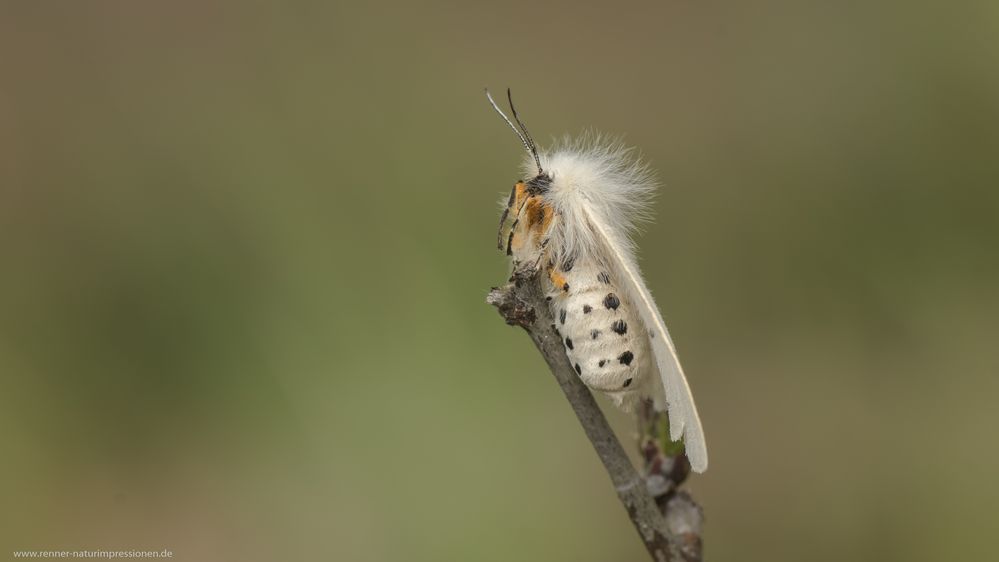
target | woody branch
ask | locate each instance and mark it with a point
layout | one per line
(668, 520)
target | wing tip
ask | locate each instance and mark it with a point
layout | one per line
(697, 454)
(693, 444)
(700, 466)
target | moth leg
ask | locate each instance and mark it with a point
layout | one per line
(542, 253)
(530, 268)
(526, 270)
(510, 242)
(529, 236)
(518, 199)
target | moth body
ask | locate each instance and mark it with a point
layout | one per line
(571, 222)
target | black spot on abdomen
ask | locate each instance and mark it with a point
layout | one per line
(619, 327)
(561, 316)
(594, 334)
(626, 358)
(627, 383)
(603, 278)
(579, 371)
(587, 309)
(568, 342)
(611, 301)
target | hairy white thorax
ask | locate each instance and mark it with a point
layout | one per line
(598, 177)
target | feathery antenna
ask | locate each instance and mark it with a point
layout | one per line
(525, 137)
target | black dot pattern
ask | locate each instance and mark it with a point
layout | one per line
(593, 321)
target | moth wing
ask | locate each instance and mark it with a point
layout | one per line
(683, 419)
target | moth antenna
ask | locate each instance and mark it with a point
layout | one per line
(528, 145)
(533, 147)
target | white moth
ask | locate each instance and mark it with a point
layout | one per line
(574, 218)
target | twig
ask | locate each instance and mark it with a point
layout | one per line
(672, 534)
(666, 467)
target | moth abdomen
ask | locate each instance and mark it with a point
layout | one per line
(600, 331)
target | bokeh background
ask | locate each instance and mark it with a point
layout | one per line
(245, 249)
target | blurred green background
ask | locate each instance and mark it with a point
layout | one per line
(245, 249)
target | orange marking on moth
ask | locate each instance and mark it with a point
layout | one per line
(557, 278)
(539, 215)
(519, 192)
(533, 221)
(517, 239)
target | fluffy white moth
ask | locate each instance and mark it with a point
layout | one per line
(574, 219)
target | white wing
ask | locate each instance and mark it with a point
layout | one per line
(683, 418)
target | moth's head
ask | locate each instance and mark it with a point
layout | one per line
(526, 196)
(538, 185)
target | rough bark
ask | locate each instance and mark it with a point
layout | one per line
(668, 521)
